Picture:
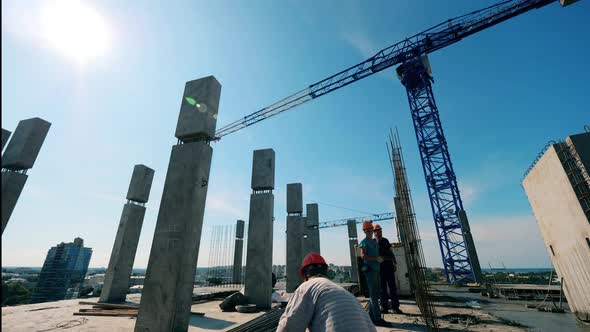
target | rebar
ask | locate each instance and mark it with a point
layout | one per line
(409, 234)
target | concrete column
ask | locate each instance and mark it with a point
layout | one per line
(239, 249)
(5, 137)
(295, 228)
(258, 285)
(352, 242)
(167, 294)
(312, 230)
(116, 282)
(474, 260)
(20, 156)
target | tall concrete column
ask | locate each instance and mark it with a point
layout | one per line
(168, 289)
(474, 260)
(5, 137)
(312, 230)
(116, 282)
(20, 156)
(295, 230)
(258, 285)
(239, 249)
(352, 243)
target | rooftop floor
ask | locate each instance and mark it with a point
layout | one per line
(482, 315)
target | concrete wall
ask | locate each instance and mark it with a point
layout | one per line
(26, 142)
(564, 226)
(5, 137)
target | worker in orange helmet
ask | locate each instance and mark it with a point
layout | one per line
(318, 304)
(371, 260)
(387, 273)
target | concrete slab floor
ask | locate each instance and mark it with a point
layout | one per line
(45, 316)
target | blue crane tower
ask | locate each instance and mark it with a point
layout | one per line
(457, 249)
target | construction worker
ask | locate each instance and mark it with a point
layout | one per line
(320, 305)
(387, 272)
(371, 260)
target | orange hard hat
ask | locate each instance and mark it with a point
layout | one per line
(367, 225)
(311, 259)
(376, 228)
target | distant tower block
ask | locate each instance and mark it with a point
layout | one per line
(353, 242)
(167, 294)
(239, 249)
(295, 232)
(313, 232)
(258, 285)
(20, 155)
(116, 283)
(5, 137)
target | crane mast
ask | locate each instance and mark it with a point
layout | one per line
(458, 252)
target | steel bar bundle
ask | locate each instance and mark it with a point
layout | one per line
(409, 235)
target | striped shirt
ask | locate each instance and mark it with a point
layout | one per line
(320, 305)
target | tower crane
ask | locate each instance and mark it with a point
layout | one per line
(459, 256)
(358, 220)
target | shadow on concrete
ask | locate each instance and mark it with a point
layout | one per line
(210, 323)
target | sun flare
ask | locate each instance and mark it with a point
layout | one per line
(74, 29)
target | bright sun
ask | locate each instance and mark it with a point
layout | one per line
(74, 29)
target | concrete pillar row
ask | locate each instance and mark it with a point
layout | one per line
(116, 283)
(168, 289)
(258, 285)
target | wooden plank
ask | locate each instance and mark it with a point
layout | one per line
(109, 305)
(107, 313)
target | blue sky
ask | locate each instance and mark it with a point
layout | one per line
(502, 94)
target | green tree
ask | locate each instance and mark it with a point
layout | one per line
(13, 294)
(331, 274)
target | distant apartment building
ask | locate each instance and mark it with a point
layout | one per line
(558, 189)
(63, 272)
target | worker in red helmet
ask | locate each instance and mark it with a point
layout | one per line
(318, 304)
(371, 260)
(387, 273)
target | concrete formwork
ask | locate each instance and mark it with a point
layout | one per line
(141, 184)
(294, 198)
(25, 145)
(563, 223)
(352, 243)
(258, 286)
(5, 137)
(20, 155)
(116, 283)
(168, 288)
(238, 251)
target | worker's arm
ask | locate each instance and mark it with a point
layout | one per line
(299, 312)
(368, 258)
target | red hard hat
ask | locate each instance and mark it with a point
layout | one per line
(367, 225)
(311, 259)
(376, 227)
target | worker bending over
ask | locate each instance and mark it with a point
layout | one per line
(387, 271)
(320, 305)
(371, 260)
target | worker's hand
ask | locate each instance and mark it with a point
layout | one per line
(379, 259)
